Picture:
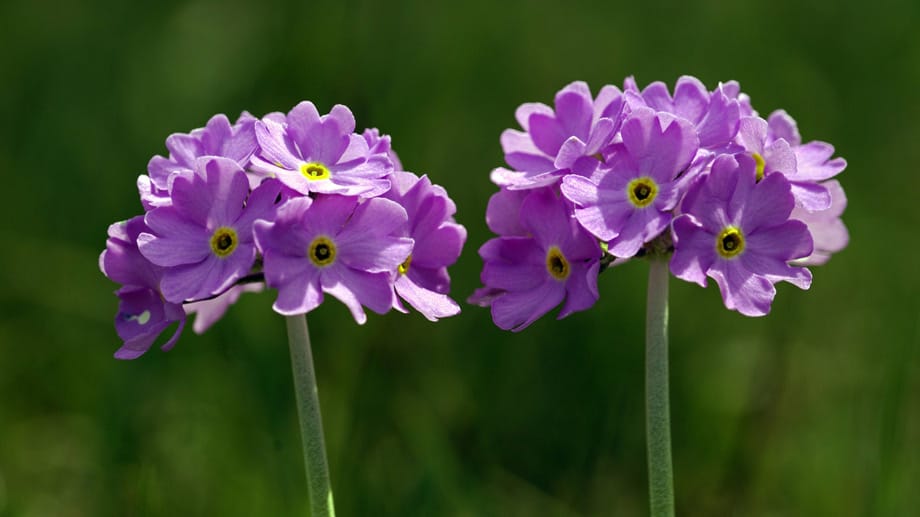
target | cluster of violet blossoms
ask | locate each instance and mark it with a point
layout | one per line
(298, 202)
(695, 175)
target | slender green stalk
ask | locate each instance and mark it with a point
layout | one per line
(311, 424)
(657, 411)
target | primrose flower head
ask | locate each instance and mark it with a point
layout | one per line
(693, 174)
(296, 202)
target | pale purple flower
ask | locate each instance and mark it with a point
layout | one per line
(826, 227)
(630, 201)
(528, 276)
(737, 231)
(422, 279)
(310, 153)
(813, 160)
(142, 313)
(714, 115)
(776, 155)
(336, 245)
(204, 239)
(564, 140)
(218, 138)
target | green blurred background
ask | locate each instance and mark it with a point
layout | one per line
(813, 410)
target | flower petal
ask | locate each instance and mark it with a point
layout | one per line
(580, 288)
(431, 304)
(742, 291)
(516, 310)
(441, 247)
(769, 204)
(298, 294)
(185, 245)
(354, 288)
(547, 134)
(275, 146)
(694, 250)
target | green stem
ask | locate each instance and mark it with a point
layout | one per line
(311, 424)
(658, 420)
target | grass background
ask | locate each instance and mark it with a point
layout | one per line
(813, 410)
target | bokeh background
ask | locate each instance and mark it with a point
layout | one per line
(813, 410)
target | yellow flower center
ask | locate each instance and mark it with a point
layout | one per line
(315, 171)
(761, 164)
(730, 243)
(224, 241)
(556, 263)
(404, 267)
(322, 251)
(642, 191)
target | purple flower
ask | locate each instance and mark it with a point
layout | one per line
(737, 231)
(335, 245)
(630, 202)
(422, 279)
(142, 313)
(528, 276)
(826, 227)
(561, 141)
(204, 239)
(776, 155)
(714, 115)
(813, 160)
(310, 153)
(218, 138)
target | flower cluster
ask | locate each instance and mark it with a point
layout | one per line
(298, 202)
(694, 174)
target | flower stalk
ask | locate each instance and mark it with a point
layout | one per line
(657, 410)
(311, 424)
